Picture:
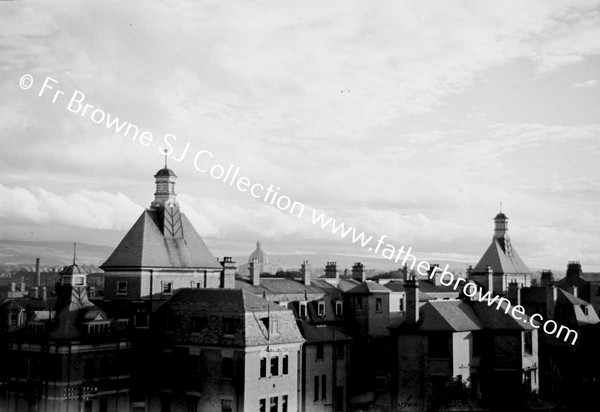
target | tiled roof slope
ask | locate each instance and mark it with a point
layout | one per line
(500, 261)
(214, 306)
(145, 246)
(447, 315)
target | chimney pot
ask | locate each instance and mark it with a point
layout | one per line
(255, 272)
(305, 272)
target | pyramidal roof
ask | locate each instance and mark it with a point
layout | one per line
(145, 246)
(501, 259)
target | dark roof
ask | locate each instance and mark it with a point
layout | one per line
(145, 246)
(249, 313)
(591, 277)
(500, 216)
(73, 269)
(500, 261)
(448, 315)
(424, 287)
(165, 172)
(497, 319)
(591, 318)
(283, 289)
(368, 287)
(322, 333)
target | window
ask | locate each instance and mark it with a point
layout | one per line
(226, 405)
(316, 388)
(584, 309)
(262, 405)
(198, 324)
(302, 309)
(98, 328)
(339, 308)
(323, 387)
(227, 368)
(273, 327)
(229, 327)
(78, 281)
(339, 350)
(321, 308)
(528, 342)
(320, 351)
(15, 318)
(274, 366)
(274, 401)
(192, 404)
(284, 403)
(284, 365)
(378, 305)
(401, 304)
(339, 398)
(438, 345)
(263, 367)
(122, 288)
(167, 288)
(358, 303)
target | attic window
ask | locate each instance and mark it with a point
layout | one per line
(302, 309)
(339, 308)
(528, 342)
(167, 288)
(378, 307)
(122, 288)
(584, 309)
(321, 309)
(78, 281)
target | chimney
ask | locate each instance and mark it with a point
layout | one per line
(406, 274)
(436, 276)
(305, 272)
(574, 291)
(44, 293)
(514, 293)
(38, 280)
(490, 279)
(358, 272)
(573, 269)
(33, 292)
(22, 284)
(13, 287)
(255, 272)
(228, 273)
(547, 278)
(331, 270)
(411, 286)
(551, 298)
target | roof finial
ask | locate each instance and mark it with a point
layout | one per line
(165, 157)
(74, 252)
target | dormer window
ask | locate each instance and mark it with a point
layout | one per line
(321, 308)
(273, 327)
(78, 280)
(167, 288)
(584, 309)
(339, 308)
(302, 309)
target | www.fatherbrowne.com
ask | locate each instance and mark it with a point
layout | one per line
(77, 104)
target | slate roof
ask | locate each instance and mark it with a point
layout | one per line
(591, 277)
(448, 315)
(500, 261)
(496, 319)
(281, 289)
(145, 246)
(249, 312)
(368, 287)
(591, 318)
(322, 333)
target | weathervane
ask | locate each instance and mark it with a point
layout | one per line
(165, 157)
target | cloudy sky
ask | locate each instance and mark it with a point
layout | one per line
(410, 119)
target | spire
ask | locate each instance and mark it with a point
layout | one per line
(74, 253)
(166, 168)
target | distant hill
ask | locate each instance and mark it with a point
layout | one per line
(15, 252)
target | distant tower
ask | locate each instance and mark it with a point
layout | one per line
(165, 188)
(501, 231)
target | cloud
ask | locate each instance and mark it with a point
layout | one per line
(81, 208)
(587, 84)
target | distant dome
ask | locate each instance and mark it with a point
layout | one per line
(165, 172)
(258, 254)
(500, 216)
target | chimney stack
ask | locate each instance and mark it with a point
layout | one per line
(551, 298)
(358, 272)
(406, 274)
(22, 284)
(228, 273)
(255, 272)
(514, 293)
(490, 279)
(38, 279)
(13, 287)
(34, 292)
(435, 279)
(44, 293)
(575, 291)
(411, 286)
(305, 272)
(547, 278)
(331, 270)
(573, 269)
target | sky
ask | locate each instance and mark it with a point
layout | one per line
(412, 119)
